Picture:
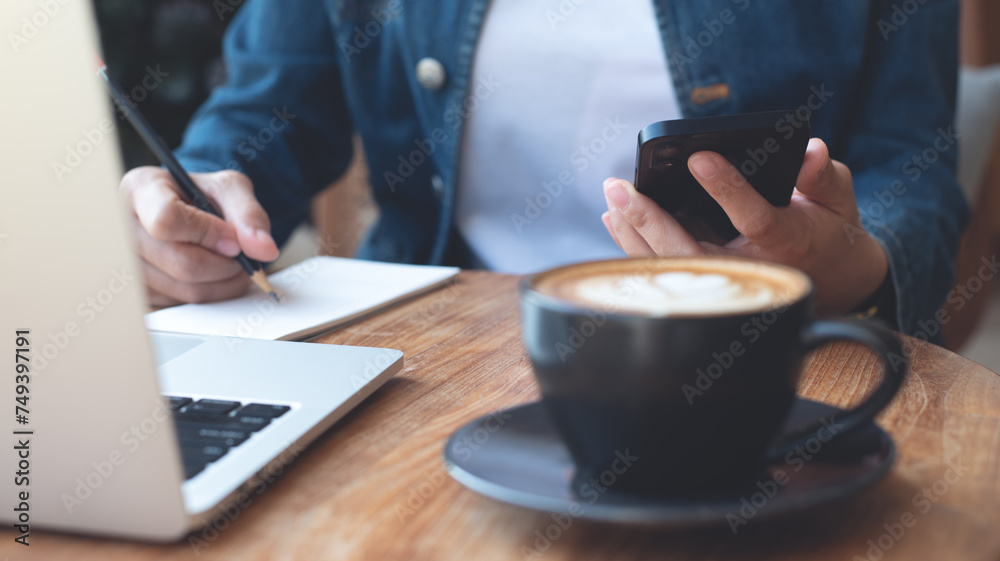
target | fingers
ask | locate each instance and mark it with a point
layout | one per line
(157, 203)
(823, 179)
(165, 290)
(750, 213)
(233, 193)
(640, 227)
(606, 219)
(188, 253)
(157, 300)
(185, 262)
(627, 238)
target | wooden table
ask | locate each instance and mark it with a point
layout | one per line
(375, 486)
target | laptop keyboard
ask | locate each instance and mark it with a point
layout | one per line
(209, 428)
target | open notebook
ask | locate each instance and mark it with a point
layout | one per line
(317, 295)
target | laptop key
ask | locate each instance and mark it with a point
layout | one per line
(205, 419)
(186, 416)
(176, 403)
(199, 436)
(207, 454)
(263, 410)
(212, 406)
(252, 423)
(208, 428)
(197, 442)
(248, 424)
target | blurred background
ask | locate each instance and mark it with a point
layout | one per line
(179, 38)
(174, 47)
(166, 55)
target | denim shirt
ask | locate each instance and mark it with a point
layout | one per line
(876, 79)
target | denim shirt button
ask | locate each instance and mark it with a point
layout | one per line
(708, 94)
(438, 184)
(431, 74)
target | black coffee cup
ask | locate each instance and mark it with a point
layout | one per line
(688, 390)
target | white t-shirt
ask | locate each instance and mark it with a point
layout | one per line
(575, 88)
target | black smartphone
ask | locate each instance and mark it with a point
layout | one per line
(767, 148)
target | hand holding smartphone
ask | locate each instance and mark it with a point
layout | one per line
(766, 153)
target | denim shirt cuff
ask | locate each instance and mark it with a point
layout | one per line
(899, 270)
(198, 165)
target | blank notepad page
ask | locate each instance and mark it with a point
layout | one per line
(316, 295)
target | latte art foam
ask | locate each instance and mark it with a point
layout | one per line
(676, 287)
(675, 293)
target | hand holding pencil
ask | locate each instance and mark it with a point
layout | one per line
(189, 254)
(201, 236)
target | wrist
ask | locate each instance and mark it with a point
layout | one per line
(880, 301)
(846, 285)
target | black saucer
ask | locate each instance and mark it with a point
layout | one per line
(516, 456)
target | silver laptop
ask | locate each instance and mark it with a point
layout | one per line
(92, 446)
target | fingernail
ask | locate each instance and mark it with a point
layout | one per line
(704, 167)
(618, 196)
(228, 247)
(264, 236)
(823, 170)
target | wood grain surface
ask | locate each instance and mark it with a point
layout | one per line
(375, 486)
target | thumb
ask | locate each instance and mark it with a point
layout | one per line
(233, 193)
(822, 179)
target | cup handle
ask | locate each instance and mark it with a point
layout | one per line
(894, 363)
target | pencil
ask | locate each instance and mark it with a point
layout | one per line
(187, 185)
